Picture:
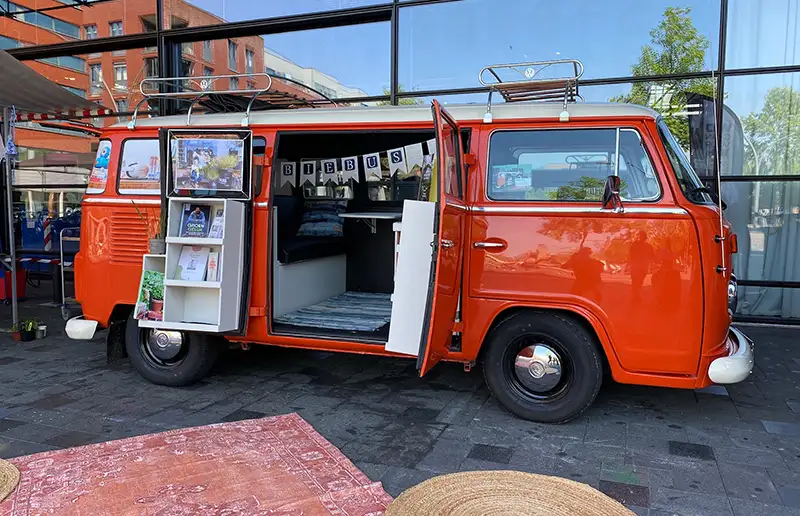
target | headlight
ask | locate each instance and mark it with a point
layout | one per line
(733, 295)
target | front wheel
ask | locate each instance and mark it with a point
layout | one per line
(543, 367)
(170, 358)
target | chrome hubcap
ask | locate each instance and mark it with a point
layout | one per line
(165, 345)
(538, 367)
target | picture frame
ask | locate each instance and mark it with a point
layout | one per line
(209, 163)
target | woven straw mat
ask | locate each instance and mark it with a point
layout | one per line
(9, 477)
(483, 493)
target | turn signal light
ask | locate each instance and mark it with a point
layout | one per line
(734, 243)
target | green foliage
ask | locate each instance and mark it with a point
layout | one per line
(772, 143)
(26, 325)
(153, 282)
(676, 47)
(585, 189)
(401, 102)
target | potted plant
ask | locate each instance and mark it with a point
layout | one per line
(157, 244)
(25, 331)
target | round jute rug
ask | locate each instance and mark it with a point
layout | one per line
(9, 478)
(482, 493)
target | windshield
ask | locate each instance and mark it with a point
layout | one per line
(690, 184)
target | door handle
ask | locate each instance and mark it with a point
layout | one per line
(489, 245)
(447, 244)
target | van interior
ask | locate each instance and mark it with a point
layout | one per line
(337, 282)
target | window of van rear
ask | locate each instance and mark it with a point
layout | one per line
(569, 165)
(139, 167)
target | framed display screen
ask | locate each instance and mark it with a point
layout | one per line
(210, 163)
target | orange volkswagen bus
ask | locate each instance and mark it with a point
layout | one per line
(553, 242)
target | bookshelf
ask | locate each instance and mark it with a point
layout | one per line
(199, 305)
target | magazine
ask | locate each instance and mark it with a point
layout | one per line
(217, 224)
(195, 220)
(150, 305)
(192, 263)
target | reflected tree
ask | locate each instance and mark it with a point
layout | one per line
(772, 135)
(401, 102)
(676, 47)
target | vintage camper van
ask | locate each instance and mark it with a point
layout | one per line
(554, 242)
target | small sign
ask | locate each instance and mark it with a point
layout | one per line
(329, 170)
(397, 162)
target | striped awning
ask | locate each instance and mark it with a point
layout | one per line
(36, 97)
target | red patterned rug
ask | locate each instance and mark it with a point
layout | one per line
(270, 466)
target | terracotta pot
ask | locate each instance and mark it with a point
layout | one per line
(16, 336)
(157, 305)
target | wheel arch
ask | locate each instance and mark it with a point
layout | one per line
(579, 315)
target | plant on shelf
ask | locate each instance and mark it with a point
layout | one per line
(155, 229)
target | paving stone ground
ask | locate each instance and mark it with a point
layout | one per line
(733, 451)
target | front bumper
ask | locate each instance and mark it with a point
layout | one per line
(738, 364)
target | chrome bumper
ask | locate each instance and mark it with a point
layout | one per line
(738, 364)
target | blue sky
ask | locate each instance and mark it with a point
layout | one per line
(445, 45)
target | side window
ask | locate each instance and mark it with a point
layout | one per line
(139, 167)
(449, 159)
(99, 175)
(569, 165)
(259, 148)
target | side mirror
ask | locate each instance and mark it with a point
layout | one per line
(611, 199)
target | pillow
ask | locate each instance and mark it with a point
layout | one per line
(321, 218)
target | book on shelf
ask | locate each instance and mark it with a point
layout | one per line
(217, 223)
(213, 266)
(192, 263)
(195, 220)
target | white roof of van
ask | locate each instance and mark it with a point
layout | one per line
(421, 113)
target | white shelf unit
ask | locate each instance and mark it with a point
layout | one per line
(204, 306)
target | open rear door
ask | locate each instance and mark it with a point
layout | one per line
(445, 288)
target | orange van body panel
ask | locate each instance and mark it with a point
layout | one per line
(646, 283)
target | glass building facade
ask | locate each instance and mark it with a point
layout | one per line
(704, 64)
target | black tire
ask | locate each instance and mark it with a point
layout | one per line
(194, 362)
(582, 366)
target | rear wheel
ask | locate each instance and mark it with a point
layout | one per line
(543, 367)
(171, 358)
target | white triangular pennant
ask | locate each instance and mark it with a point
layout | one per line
(308, 172)
(414, 156)
(397, 162)
(288, 173)
(328, 170)
(350, 168)
(372, 166)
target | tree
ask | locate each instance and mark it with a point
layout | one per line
(675, 48)
(772, 139)
(403, 101)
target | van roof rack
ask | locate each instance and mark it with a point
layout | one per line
(200, 91)
(531, 88)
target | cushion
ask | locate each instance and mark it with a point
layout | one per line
(321, 219)
(290, 209)
(308, 248)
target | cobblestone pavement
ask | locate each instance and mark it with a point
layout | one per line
(733, 451)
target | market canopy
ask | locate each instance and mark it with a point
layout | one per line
(36, 97)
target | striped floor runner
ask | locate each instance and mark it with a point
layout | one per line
(352, 311)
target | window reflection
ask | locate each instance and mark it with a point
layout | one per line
(509, 31)
(762, 33)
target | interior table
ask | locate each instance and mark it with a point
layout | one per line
(369, 217)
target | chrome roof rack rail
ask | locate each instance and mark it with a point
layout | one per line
(531, 88)
(196, 89)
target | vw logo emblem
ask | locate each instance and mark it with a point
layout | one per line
(529, 73)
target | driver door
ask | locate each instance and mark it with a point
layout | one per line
(444, 291)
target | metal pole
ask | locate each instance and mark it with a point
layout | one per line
(10, 214)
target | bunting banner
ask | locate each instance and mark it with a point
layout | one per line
(289, 173)
(350, 169)
(308, 172)
(372, 166)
